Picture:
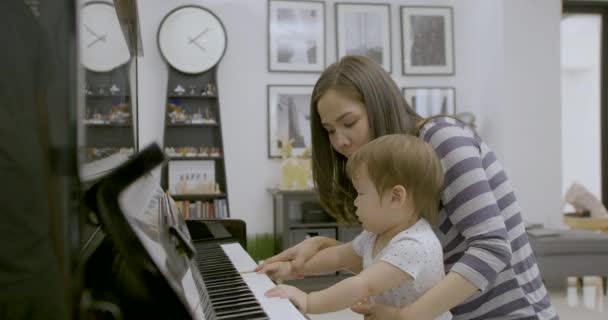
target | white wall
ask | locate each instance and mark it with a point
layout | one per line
(505, 73)
(581, 127)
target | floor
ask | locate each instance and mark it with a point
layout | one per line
(587, 303)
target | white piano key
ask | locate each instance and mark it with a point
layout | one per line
(239, 257)
(275, 308)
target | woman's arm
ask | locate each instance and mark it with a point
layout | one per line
(300, 253)
(470, 202)
(450, 292)
(342, 257)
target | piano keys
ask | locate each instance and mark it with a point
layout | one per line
(183, 275)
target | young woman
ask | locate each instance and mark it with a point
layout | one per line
(492, 272)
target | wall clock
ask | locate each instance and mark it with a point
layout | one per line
(102, 43)
(192, 39)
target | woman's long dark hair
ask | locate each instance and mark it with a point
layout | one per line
(361, 79)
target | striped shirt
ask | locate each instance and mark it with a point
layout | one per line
(482, 231)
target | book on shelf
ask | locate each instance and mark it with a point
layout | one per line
(215, 209)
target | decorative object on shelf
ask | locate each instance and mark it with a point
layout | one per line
(99, 153)
(101, 89)
(427, 40)
(87, 89)
(364, 29)
(103, 46)
(192, 177)
(114, 89)
(192, 89)
(192, 39)
(297, 36)
(176, 113)
(209, 90)
(296, 172)
(288, 118)
(431, 101)
(179, 89)
(120, 113)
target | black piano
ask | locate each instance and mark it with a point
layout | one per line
(143, 261)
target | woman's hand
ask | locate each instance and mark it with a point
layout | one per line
(298, 297)
(279, 271)
(297, 255)
(377, 312)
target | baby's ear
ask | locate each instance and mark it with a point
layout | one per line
(398, 196)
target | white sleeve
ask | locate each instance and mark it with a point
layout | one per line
(408, 255)
(361, 241)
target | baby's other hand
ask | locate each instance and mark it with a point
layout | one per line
(298, 297)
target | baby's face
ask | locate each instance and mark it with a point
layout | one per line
(369, 203)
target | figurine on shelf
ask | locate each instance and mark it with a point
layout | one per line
(210, 90)
(191, 152)
(197, 118)
(101, 89)
(215, 152)
(192, 89)
(176, 113)
(87, 89)
(203, 152)
(217, 188)
(114, 89)
(95, 118)
(180, 187)
(120, 113)
(170, 152)
(208, 117)
(179, 89)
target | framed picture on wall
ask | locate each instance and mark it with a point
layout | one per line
(288, 118)
(431, 101)
(427, 44)
(296, 36)
(364, 29)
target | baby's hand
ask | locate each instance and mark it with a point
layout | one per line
(279, 271)
(298, 297)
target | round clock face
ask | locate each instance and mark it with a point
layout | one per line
(102, 44)
(192, 39)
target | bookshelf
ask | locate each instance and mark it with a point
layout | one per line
(195, 176)
(109, 121)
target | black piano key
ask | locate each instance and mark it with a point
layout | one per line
(228, 293)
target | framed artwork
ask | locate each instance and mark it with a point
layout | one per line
(288, 118)
(364, 29)
(427, 44)
(431, 101)
(296, 36)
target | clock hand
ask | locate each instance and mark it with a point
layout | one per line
(195, 43)
(198, 36)
(91, 31)
(102, 38)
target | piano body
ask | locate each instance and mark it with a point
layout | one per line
(145, 262)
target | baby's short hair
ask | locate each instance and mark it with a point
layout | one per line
(399, 159)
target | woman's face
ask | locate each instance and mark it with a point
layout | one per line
(345, 121)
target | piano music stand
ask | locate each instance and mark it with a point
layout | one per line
(151, 291)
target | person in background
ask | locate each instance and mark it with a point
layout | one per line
(492, 271)
(30, 279)
(398, 179)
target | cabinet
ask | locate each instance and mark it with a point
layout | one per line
(292, 226)
(108, 115)
(195, 176)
